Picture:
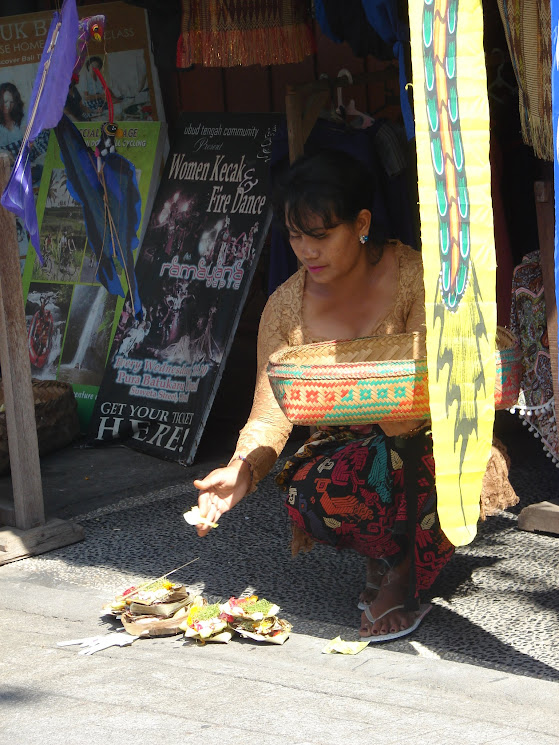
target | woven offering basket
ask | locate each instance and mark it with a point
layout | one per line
(373, 379)
(56, 415)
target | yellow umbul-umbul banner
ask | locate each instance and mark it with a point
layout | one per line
(452, 139)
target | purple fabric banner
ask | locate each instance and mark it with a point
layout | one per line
(47, 105)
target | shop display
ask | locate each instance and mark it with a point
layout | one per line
(121, 50)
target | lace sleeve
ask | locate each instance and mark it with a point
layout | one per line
(264, 436)
(413, 280)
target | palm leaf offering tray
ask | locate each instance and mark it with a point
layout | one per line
(249, 617)
(164, 608)
(160, 597)
(373, 379)
(204, 623)
(153, 609)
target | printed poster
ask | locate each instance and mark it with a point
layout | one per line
(71, 318)
(209, 221)
(123, 57)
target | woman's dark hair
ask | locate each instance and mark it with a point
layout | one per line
(330, 185)
(17, 109)
(90, 60)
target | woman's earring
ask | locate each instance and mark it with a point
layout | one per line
(363, 239)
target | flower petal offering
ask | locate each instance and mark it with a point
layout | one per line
(193, 517)
(251, 608)
(205, 623)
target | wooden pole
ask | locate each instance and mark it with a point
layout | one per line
(16, 376)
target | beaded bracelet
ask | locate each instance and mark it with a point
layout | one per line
(415, 430)
(250, 468)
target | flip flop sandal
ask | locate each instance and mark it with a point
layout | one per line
(362, 605)
(375, 638)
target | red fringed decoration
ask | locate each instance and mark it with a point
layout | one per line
(108, 94)
(225, 33)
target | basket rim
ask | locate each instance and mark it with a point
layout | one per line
(505, 340)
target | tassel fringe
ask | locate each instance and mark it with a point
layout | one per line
(537, 132)
(530, 419)
(262, 46)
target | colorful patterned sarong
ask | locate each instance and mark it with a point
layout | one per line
(345, 488)
(528, 322)
(225, 33)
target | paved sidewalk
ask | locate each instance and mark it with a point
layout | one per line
(180, 693)
(483, 667)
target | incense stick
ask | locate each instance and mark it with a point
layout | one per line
(163, 576)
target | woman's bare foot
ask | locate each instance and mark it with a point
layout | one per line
(376, 569)
(392, 593)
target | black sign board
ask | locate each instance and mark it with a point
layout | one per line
(209, 221)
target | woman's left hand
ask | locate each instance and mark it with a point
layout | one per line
(395, 429)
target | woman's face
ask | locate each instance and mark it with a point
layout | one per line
(7, 104)
(331, 253)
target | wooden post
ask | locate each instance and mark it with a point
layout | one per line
(16, 376)
(31, 534)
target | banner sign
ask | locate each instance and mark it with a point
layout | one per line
(71, 318)
(209, 221)
(452, 133)
(123, 57)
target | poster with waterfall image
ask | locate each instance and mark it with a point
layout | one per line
(209, 221)
(71, 318)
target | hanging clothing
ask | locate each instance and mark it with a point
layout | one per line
(225, 33)
(503, 251)
(353, 20)
(527, 25)
(528, 322)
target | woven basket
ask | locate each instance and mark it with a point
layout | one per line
(56, 415)
(373, 379)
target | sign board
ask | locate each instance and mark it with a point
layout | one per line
(124, 58)
(71, 318)
(209, 221)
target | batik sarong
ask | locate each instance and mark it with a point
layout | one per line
(345, 488)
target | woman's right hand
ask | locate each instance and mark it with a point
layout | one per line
(221, 490)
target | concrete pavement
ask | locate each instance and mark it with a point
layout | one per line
(482, 668)
(175, 692)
